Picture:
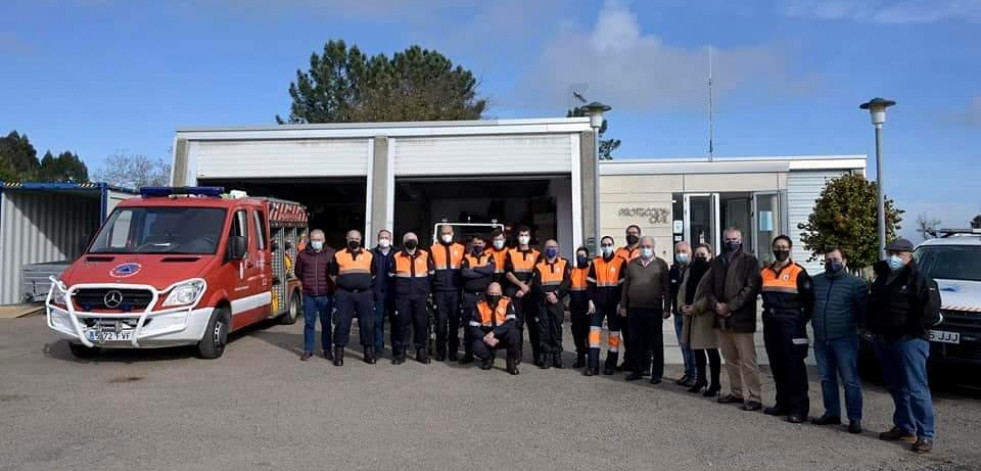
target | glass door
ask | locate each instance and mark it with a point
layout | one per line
(702, 219)
(766, 223)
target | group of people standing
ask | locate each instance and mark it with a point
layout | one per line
(496, 294)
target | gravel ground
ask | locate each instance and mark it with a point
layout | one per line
(258, 407)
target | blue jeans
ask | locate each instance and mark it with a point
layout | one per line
(904, 369)
(839, 357)
(384, 308)
(686, 353)
(313, 307)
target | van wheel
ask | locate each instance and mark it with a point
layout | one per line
(292, 311)
(81, 351)
(215, 335)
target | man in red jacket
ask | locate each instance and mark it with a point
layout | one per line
(311, 268)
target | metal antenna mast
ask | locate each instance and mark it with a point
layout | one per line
(711, 129)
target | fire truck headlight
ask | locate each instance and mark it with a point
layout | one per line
(185, 293)
(60, 296)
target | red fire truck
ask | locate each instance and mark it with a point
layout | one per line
(180, 266)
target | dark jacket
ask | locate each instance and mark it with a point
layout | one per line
(412, 287)
(781, 303)
(447, 278)
(839, 305)
(384, 264)
(477, 278)
(675, 275)
(646, 287)
(904, 307)
(312, 268)
(736, 283)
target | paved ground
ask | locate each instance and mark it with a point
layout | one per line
(260, 408)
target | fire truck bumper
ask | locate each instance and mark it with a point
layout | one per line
(155, 329)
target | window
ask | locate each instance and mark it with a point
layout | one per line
(193, 231)
(260, 229)
(950, 262)
(119, 230)
(240, 225)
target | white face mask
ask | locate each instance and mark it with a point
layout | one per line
(647, 253)
(447, 238)
(524, 240)
(317, 245)
(498, 244)
(384, 243)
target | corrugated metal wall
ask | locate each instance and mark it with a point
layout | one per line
(481, 155)
(41, 226)
(803, 189)
(280, 158)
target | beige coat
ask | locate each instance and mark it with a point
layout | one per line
(699, 328)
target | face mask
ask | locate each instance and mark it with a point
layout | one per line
(632, 239)
(447, 238)
(834, 267)
(781, 255)
(681, 258)
(353, 244)
(700, 261)
(606, 250)
(498, 244)
(647, 253)
(478, 250)
(493, 299)
(384, 243)
(551, 252)
(317, 245)
(895, 263)
(582, 261)
(524, 240)
(411, 244)
(733, 246)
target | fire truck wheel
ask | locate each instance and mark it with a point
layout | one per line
(293, 311)
(81, 351)
(216, 335)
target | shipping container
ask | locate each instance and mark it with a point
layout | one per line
(42, 223)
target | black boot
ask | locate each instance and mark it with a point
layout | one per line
(398, 357)
(513, 366)
(557, 361)
(580, 361)
(422, 356)
(369, 355)
(467, 359)
(697, 385)
(440, 354)
(486, 364)
(328, 354)
(591, 371)
(338, 356)
(453, 356)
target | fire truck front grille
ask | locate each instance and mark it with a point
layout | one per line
(123, 300)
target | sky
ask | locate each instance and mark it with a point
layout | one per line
(101, 77)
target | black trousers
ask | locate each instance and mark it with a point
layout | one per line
(448, 321)
(351, 304)
(411, 312)
(580, 327)
(470, 301)
(550, 317)
(786, 347)
(714, 364)
(646, 341)
(526, 311)
(509, 341)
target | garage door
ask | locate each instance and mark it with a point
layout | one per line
(481, 155)
(803, 190)
(280, 158)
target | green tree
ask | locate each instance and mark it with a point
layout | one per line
(344, 85)
(66, 167)
(845, 216)
(18, 156)
(606, 146)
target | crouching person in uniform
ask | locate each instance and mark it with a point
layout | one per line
(492, 327)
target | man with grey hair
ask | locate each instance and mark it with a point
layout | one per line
(412, 271)
(731, 287)
(682, 261)
(312, 267)
(646, 303)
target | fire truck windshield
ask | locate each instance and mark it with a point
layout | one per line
(193, 231)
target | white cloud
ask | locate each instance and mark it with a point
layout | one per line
(886, 11)
(621, 64)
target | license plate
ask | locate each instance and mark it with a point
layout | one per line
(942, 336)
(108, 336)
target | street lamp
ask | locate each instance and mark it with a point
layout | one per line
(595, 112)
(877, 108)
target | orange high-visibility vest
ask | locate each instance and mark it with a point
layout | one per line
(476, 262)
(500, 259)
(407, 266)
(608, 273)
(523, 262)
(348, 265)
(783, 282)
(447, 257)
(494, 317)
(552, 274)
(578, 281)
(627, 253)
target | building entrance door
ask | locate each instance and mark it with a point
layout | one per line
(701, 219)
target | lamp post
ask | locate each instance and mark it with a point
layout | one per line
(877, 108)
(595, 112)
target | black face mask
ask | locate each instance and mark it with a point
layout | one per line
(493, 299)
(582, 261)
(632, 239)
(781, 255)
(834, 267)
(699, 262)
(411, 244)
(733, 246)
(353, 245)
